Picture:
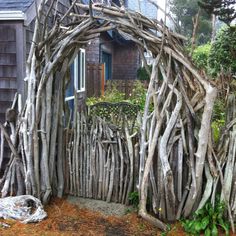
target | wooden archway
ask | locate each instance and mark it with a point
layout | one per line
(175, 135)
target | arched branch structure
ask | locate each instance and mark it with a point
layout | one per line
(174, 135)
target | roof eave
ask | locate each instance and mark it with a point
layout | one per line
(12, 15)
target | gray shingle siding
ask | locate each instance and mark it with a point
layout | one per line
(18, 5)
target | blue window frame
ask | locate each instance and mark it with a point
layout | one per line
(107, 59)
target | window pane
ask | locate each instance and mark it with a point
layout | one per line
(78, 75)
(82, 70)
(70, 86)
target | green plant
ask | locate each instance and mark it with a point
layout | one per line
(218, 119)
(222, 56)
(200, 56)
(134, 198)
(138, 95)
(142, 73)
(168, 230)
(207, 219)
(216, 129)
(112, 94)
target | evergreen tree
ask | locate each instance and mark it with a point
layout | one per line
(222, 8)
(184, 12)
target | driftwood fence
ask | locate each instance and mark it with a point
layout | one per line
(102, 152)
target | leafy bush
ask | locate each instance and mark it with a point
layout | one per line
(142, 73)
(207, 220)
(200, 56)
(134, 198)
(137, 96)
(111, 95)
(218, 119)
(223, 52)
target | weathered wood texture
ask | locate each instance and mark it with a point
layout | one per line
(100, 154)
(94, 80)
(8, 67)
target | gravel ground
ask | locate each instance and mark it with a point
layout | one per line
(105, 208)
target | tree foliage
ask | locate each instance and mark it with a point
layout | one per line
(222, 8)
(184, 11)
(200, 56)
(222, 55)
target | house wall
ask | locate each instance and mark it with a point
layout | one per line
(11, 63)
(62, 7)
(92, 51)
(126, 62)
(125, 57)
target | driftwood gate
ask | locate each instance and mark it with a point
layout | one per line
(102, 152)
(175, 134)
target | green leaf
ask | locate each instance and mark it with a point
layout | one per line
(188, 225)
(214, 231)
(198, 226)
(205, 221)
(224, 225)
(207, 232)
(200, 212)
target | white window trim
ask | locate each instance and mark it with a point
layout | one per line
(12, 15)
(76, 74)
(82, 73)
(69, 98)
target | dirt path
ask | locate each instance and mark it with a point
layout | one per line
(65, 218)
(108, 209)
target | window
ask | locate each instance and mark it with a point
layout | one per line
(79, 72)
(77, 80)
(107, 59)
(105, 2)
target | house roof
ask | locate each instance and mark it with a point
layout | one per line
(15, 5)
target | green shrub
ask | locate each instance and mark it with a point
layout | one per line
(134, 199)
(207, 220)
(111, 95)
(223, 52)
(142, 73)
(218, 119)
(138, 95)
(200, 56)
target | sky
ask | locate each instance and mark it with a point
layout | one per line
(161, 3)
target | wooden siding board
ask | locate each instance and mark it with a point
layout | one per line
(8, 66)
(8, 71)
(7, 33)
(7, 47)
(20, 58)
(8, 83)
(8, 59)
(7, 95)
